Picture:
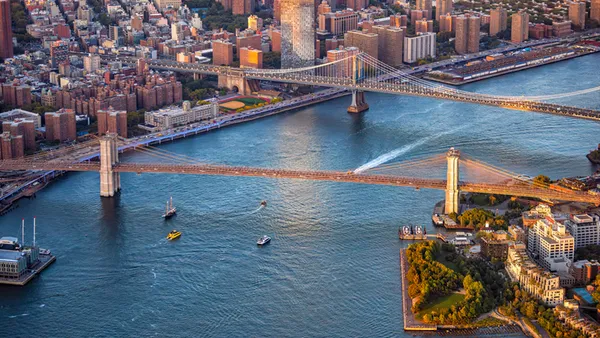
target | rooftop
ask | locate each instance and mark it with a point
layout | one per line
(10, 255)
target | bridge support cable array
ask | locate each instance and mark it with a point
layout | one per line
(404, 166)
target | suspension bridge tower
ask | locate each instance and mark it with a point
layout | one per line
(452, 177)
(359, 103)
(110, 181)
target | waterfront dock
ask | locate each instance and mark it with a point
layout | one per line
(44, 262)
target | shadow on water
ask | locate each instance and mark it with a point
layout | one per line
(358, 122)
(110, 219)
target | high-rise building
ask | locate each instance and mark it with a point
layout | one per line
(584, 271)
(297, 33)
(398, 20)
(323, 8)
(473, 34)
(6, 44)
(365, 42)
(577, 14)
(443, 7)
(342, 69)
(251, 58)
(467, 34)
(277, 10)
(241, 7)
(595, 10)
(520, 27)
(24, 128)
(462, 30)
(91, 63)
(177, 32)
(112, 121)
(447, 23)
(424, 26)
(59, 52)
(357, 5)
(419, 47)
(390, 41)
(11, 146)
(60, 125)
(585, 229)
(248, 40)
(255, 23)
(339, 22)
(222, 52)
(275, 40)
(416, 15)
(498, 20)
(425, 5)
(550, 241)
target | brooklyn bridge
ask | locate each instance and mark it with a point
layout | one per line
(362, 72)
(482, 177)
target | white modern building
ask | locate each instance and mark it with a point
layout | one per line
(585, 228)
(419, 47)
(551, 244)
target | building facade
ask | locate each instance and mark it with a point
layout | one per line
(419, 47)
(172, 117)
(60, 126)
(443, 7)
(390, 42)
(297, 33)
(6, 43)
(595, 10)
(520, 27)
(541, 284)
(111, 121)
(222, 52)
(365, 42)
(498, 20)
(551, 243)
(577, 14)
(585, 229)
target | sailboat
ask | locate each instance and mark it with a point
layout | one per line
(170, 210)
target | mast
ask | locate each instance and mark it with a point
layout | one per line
(34, 231)
(171, 203)
(23, 231)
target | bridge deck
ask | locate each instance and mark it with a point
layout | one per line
(516, 189)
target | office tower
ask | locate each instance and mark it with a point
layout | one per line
(6, 44)
(498, 18)
(520, 27)
(297, 33)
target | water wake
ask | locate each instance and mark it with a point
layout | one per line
(403, 150)
(257, 209)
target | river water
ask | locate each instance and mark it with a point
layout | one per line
(332, 268)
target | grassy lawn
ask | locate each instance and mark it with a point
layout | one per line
(480, 199)
(442, 303)
(250, 100)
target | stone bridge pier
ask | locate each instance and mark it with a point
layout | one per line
(110, 181)
(359, 103)
(452, 177)
(235, 83)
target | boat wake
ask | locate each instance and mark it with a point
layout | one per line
(21, 315)
(403, 150)
(257, 209)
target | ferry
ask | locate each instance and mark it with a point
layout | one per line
(173, 235)
(263, 240)
(263, 203)
(170, 210)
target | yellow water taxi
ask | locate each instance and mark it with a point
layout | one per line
(173, 235)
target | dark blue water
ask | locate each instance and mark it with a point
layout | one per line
(332, 268)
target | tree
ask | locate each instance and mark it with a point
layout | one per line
(541, 180)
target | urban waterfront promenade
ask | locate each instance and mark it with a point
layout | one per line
(410, 322)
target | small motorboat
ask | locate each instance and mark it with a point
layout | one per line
(263, 203)
(263, 240)
(173, 235)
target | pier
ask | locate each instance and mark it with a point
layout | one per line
(43, 262)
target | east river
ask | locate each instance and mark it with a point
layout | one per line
(332, 268)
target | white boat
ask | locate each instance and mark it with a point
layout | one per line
(170, 210)
(263, 240)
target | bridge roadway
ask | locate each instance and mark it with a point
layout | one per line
(516, 189)
(370, 85)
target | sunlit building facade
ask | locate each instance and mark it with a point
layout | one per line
(297, 33)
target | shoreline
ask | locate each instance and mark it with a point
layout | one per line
(514, 70)
(8, 201)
